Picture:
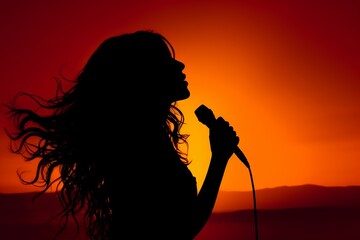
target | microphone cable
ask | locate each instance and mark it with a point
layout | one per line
(254, 202)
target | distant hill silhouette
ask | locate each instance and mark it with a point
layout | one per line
(20, 208)
(303, 196)
(308, 212)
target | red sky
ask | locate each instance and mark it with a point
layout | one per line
(285, 74)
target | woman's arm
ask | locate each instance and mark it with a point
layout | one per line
(223, 141)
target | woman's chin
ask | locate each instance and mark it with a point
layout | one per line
(184, 95)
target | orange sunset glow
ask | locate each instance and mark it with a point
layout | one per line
(285, 74)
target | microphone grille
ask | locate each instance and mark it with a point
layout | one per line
(205, 115)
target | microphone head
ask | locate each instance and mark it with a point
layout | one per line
(205, 115)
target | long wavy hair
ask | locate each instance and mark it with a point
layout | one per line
(56, 132)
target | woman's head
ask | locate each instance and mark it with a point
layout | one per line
(139, 66)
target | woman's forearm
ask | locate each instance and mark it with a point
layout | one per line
(207, 195)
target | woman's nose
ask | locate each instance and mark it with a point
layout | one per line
(180, 64)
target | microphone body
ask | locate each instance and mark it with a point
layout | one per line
(207, 117)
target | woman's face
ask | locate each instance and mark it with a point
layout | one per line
(175, 85)
(168, 73)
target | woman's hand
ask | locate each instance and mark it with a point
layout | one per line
(223, 139)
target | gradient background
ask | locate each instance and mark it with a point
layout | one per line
(285, 74)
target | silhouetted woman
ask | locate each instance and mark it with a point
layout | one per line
(115, 138)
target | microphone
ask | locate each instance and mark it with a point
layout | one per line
(206, 116)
